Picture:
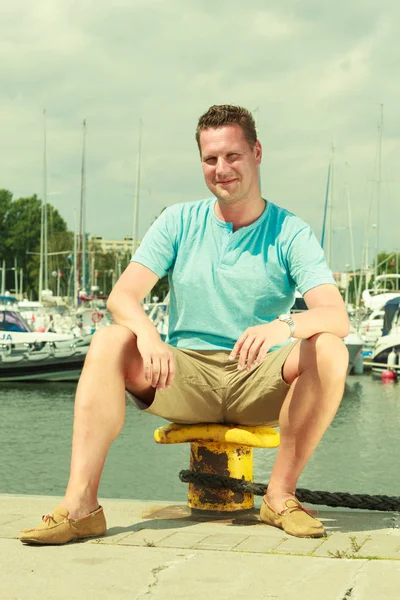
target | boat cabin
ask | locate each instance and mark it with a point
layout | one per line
(11, 320)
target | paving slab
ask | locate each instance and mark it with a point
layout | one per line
(300, 546)
(144, 537)
(103, 572)
(382, 546)
(377, 580)
(260, 544)
(182, 540)
(159, 550)
(340, 544)
(223, 541)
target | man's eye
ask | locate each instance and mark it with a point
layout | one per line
(233, 156)
(210, 161)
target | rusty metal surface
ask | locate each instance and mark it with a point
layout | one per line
(208, 459)
(218, 458)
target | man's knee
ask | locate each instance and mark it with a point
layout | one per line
(329, 353)
(111, 342)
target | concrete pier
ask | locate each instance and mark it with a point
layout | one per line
(155, 551)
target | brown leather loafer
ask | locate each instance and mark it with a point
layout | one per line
(294, 519)
(58, 528)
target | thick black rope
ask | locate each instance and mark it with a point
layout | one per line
(345, 500)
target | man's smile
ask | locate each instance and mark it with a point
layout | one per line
(226, 181)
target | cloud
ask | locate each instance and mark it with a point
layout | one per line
(316, 73)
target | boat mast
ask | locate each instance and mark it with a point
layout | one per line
(325, 205)
(329, 209)
(76, 273)
(82, 218)
(327, 220)
(378, 194)
(350, 224)
(45, 232)
(43, 269)
(135, 228)
(365, 270)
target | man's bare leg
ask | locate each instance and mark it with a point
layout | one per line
(316, 369)
(99, 413)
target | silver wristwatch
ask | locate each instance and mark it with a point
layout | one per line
(288, 319)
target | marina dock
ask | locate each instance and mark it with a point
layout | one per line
(158, 550)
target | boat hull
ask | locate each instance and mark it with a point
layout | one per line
(354, 344)
(47, 369)
(380, 355)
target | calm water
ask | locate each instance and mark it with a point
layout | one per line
(359, 453)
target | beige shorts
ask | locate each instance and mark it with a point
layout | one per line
(208, 388)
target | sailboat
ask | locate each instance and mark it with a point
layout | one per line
(89, 310)
(353, 340)
(44, 292)
(386, 286)
(41, 355)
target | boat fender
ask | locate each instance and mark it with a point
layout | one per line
(388, 376)
(392, 359)
(6, 349)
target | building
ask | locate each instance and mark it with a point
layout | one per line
(123, 246)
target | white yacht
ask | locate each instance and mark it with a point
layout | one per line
(26, 355)
(389, 342)
(387, 287)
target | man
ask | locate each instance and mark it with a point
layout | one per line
(233, 263)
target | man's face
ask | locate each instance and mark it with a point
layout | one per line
(230, 165)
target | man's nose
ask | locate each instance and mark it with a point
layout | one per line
(220, 166)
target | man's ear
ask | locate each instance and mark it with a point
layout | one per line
(258, 152)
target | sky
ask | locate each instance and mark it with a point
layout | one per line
(314, 74)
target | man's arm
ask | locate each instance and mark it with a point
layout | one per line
(327, 314)
(125, 305)
(126, 297)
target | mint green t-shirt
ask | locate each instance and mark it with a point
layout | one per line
(221, 281)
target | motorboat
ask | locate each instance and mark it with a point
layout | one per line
(354, 344)
(15, 330)
(47, 364)
(32, 355)
(42, 317)
(386, 353)
(90, 319)
(371, 327)
(387, 287)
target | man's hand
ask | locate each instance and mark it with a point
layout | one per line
(253, 345)
(158, 360)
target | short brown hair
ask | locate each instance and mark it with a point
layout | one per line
(228, 114)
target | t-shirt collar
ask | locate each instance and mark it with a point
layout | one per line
(228, 225)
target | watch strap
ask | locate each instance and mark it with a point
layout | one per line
(288, 319)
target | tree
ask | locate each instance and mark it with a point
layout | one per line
(5, 203)
(21, 221)
(388, 262)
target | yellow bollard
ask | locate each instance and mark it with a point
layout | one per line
(220, 450)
